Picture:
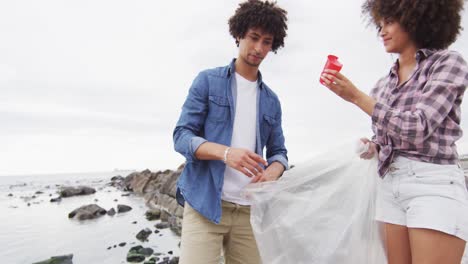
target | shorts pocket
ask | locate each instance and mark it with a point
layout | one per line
(440, 180)
(435, 173)
(434, 178)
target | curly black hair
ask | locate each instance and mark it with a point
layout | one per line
(258, 14)
(431, 24)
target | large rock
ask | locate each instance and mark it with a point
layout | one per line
(144, 234)
(175, 223)
(151, 261)
(164, 202)
(111, 212)
(74, 191)
(147, 182)
(153, 214)
(165, 215)
(89, 211)
(138, 254)
(138, 181)
(56, 200)
(66, 259)
(122, 208)
(135, 257)
(162, 225)
(159, 191)
(117, 181)
(174, 260)
(117, 178)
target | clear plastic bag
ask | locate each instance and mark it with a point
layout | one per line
(321, 211)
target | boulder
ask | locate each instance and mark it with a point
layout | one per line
(56, 200)
(153, 214)
(165, 215)
(111, 212)
(138, 254)
(150, 261)
(117, 178)
(74, 191)
(122, 208)
(66, 259)
(162, 225)
(143, 234)
(174, 260)
(135, 257)
(175, 223)
(89, 211)
(159, 191)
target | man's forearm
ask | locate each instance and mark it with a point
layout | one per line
(243, 160)
(210, 151)
(275, 169)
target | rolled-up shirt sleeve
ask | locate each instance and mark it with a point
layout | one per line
(281, 159)
(195, 143)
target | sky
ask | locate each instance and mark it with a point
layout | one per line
(98, 85)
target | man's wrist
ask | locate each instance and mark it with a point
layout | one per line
(225, 154)
(276, 168)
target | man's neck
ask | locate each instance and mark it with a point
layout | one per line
(247, 71)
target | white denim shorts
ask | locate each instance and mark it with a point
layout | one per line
(424, 195)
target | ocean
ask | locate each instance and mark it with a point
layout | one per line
(33, 229)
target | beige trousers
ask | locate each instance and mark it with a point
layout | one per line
(203, 241)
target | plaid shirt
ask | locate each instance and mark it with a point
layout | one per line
(420, 118)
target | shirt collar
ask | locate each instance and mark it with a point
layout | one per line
(420, 56)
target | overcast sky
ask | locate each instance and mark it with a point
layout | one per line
(95, 85)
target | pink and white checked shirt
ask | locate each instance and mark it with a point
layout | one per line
(420, 118)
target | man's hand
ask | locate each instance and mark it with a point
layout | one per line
(371, 152)
(245, 161)
(272, 173)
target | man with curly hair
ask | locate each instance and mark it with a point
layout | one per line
(415, 111)
(229, 116)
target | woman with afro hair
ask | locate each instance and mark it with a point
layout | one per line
(415, 113)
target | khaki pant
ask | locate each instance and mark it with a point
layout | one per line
(203, 241)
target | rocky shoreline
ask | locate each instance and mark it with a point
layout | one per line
(158, 190)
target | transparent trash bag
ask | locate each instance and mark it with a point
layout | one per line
(321, 211)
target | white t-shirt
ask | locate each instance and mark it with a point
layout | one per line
(243, 136)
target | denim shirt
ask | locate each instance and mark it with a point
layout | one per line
(208, 115)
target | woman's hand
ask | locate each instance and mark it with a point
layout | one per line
(344, 88)
(340, 85)
(371, 151)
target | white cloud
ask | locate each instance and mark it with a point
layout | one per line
(97, 85)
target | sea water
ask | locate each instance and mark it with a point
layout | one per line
(34, 229)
